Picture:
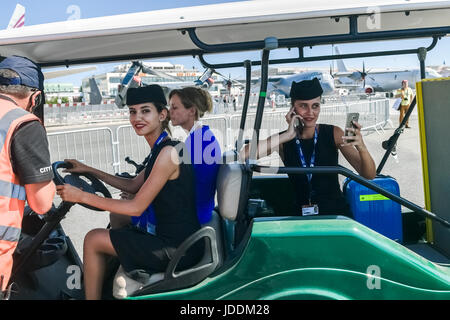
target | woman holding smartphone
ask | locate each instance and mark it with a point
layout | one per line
(165, 178)
(308, 144)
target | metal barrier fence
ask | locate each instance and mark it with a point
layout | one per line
(106, 149)
(81, 113)
(94, 147)
(129, 145)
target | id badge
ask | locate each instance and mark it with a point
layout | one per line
(310, 210)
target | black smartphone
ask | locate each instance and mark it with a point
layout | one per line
(353, 116)
(298, 124)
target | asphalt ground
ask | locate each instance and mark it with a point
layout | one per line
(407, 171)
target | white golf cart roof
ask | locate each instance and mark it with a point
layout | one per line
(160, 33)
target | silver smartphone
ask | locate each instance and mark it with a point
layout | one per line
(352, 116)
(298, 124)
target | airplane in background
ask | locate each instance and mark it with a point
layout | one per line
(384, 80)
(132, 80)
(281, 85)
(443, 70)
(18, 17)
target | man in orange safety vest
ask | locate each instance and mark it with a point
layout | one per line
(25, 168)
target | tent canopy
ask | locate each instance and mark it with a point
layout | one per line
(164, 33)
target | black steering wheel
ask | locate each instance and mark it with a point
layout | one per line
(93, 185)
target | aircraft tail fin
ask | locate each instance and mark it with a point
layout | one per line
(95, 97)
(18, 18)
(340, 63)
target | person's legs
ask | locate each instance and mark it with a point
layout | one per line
(407, 121)
(97, 244)
(118, 220)
(402, 114)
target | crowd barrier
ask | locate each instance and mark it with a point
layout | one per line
(82, 113)
(95, 147)
(106, 149)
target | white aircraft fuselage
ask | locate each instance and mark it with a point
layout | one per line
(391, 80)
(282, 84)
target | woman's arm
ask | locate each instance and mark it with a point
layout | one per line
(274, 142)
(166, 168)
(355, 151)
(121, 183)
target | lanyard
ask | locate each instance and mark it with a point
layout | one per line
(147, 220)
(311, 162)
(160, 138)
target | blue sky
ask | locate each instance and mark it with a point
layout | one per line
(45, 11)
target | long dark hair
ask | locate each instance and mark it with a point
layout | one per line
(165, 124)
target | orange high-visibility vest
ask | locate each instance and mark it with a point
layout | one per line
(12, 193)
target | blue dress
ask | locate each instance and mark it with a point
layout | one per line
(206, 157)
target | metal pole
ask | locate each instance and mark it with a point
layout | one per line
(422, 54)
(367, 183)
(302, 58)
(271, 43)
(390, 144)
(248, 78)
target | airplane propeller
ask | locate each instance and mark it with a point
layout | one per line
(206, 78)
(228, 80)
(363, 74)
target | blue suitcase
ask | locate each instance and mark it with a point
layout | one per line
(373, 209)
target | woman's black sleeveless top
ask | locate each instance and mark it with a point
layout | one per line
(326, 191)
(175, 208)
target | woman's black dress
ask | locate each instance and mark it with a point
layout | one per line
(326, 191)
(176, 219)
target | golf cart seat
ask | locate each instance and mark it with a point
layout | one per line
(137, 283)
(228, 191)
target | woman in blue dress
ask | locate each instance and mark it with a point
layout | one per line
(187, 107)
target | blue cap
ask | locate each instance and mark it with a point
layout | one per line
(30, 74)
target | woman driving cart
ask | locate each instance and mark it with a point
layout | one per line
(164, 179)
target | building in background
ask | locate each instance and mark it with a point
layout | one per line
(62, 93)
(166, 73)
